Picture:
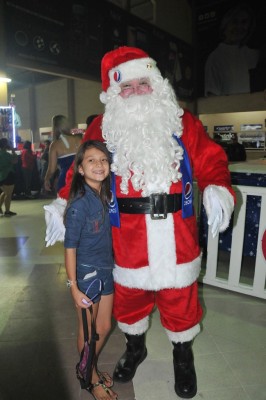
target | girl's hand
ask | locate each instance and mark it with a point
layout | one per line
(80, 299)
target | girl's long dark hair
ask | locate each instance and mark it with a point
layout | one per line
(78, 182)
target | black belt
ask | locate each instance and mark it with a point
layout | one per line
(157, 204)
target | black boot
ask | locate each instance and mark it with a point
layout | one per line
(135, 353)
(185, 374)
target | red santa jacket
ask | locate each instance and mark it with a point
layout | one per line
(156, 254)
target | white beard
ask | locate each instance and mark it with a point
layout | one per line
(139, 132)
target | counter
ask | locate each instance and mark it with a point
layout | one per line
(249, 173)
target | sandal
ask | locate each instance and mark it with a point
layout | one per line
(106, 378)
(112, 395)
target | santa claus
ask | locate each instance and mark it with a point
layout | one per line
(157, 148)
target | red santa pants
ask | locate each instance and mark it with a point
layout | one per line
(179, 309)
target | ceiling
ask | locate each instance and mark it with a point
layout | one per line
(22, 77)
(141, 8)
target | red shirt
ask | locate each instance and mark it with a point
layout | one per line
(27, 159)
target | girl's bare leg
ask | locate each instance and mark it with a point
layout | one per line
(6, 196)
(102, 312)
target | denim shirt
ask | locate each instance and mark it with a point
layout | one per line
(88, 230)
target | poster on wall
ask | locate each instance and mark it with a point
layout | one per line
(231, 47)
(175, 59)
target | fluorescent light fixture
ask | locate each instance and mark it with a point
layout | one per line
(4, 79)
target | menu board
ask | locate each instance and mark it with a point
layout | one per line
(70, 38)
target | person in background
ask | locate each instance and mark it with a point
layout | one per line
(7, 177)
(90, 118)
(88, 250)
(235, 150)
(44, 160)
(62, 151)
(227, 69)
(28, 162)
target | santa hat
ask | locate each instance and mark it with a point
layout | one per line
(126, 63)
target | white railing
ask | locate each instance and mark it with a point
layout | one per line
(256, 285)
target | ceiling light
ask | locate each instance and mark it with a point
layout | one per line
(4, 79)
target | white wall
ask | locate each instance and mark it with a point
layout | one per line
(22, 107)
(233, 103)
(87, 100)
(235, 119)
(51, 99)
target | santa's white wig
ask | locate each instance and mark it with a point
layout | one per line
(139, 130)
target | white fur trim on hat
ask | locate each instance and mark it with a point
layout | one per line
(133, 69)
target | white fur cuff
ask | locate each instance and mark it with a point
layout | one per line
(185, 336)
(138, 328)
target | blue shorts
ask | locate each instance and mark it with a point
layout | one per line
(95, 282)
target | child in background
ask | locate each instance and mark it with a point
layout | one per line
(88, 250)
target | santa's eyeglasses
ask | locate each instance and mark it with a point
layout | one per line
(135, 87)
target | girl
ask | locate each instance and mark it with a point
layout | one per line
(88, 250)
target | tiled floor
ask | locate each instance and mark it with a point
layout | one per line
(38, 330)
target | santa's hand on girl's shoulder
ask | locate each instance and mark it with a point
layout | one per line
(55, 229)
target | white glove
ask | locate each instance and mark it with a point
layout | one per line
(219, 205)
(55, 229)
